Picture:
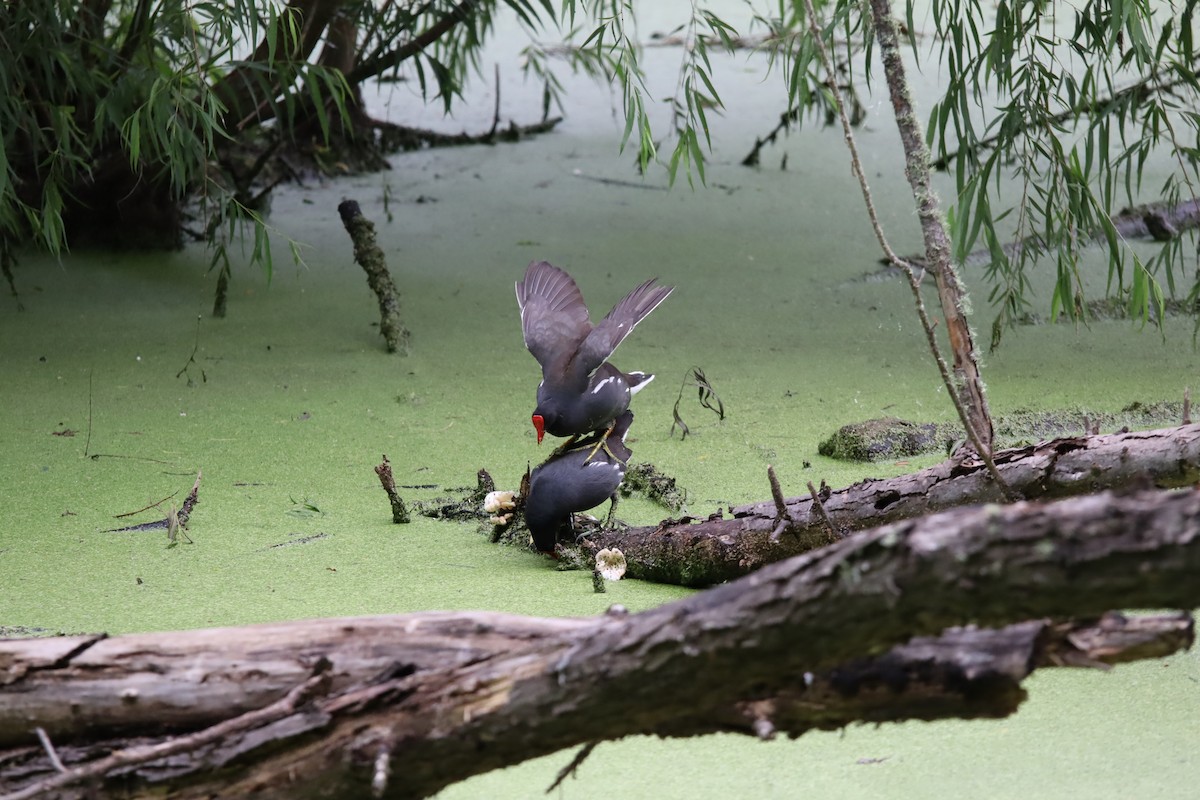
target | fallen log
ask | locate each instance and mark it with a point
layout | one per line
(724, 547)
(403, 706)
(1160, 221)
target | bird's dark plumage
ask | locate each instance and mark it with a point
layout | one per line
(570, 482)
(580, 391)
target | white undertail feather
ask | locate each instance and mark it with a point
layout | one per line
(642, 385)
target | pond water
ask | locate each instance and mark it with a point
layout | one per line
(290, 401)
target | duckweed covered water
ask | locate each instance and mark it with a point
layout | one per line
(290, 402)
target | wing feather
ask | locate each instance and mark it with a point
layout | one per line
(554, 318)
(600, 342)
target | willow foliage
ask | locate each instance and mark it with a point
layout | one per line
(115, 110)
(1051, 117)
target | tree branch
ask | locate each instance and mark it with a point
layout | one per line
(246, 93)
(969, 416)
(1103, 106)
(937, 243)
(376, 64)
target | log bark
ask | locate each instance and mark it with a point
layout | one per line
(724, 547)
(335, 707)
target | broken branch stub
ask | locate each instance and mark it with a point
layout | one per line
(370, 257)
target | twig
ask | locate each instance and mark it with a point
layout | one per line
(782, 518)
(569, 769)
(146, 508)
(133, 756)
(400, 513)
(51, 753)
(98, 456)
(192, 359)
(88, 443)
(974, 435)
(816, 498)
(496, 114)
(707, 396)
(1187, 405)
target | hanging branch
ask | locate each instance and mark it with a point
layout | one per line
(972, 410)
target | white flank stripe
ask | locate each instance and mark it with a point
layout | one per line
(601, 384)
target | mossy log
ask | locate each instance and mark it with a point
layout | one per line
(403, 706)
(370, 257)
(723, 547)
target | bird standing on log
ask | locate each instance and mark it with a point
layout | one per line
(576, 480)
(580, 391)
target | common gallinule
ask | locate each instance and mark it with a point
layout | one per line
(576, 481)
(580, 391)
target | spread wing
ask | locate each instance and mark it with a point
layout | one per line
(602, 340)
(554, 317)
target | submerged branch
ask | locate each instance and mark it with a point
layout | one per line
(1157, 221)
(370, 257)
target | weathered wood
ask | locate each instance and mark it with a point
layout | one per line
(370, 257)
(434, 698)
(722, 548)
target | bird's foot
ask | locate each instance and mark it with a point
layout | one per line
(603, 445)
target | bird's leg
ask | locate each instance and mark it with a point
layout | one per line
(603, 443)
(607, 525)
(565, 447)
(612, 509)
